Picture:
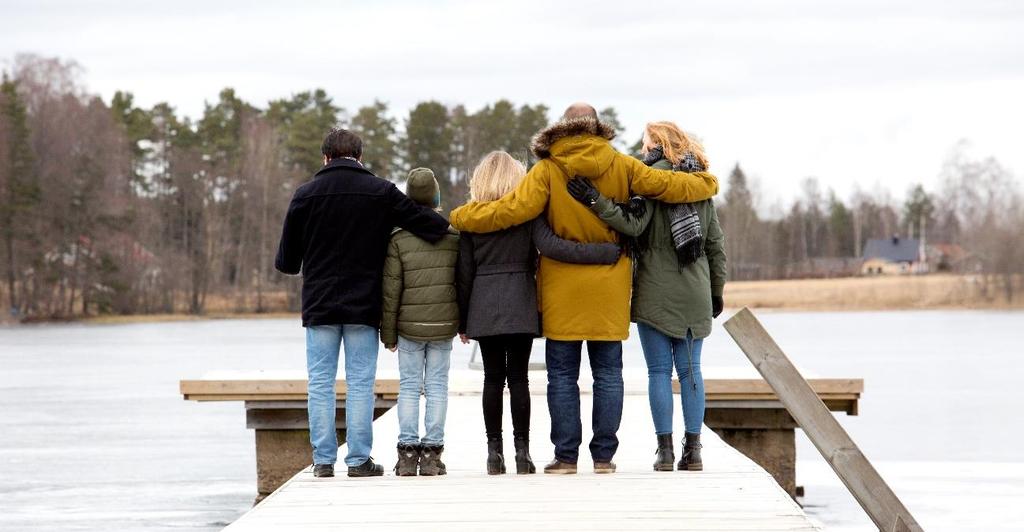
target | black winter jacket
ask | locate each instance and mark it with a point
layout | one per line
(336, 233)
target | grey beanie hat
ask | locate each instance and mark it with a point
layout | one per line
(422, 188)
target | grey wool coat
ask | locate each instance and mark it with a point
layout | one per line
(496, 281)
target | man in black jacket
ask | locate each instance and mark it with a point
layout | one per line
(336, 233)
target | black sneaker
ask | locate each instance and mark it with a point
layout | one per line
(366, 469)
(323, 470)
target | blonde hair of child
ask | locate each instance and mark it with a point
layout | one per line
(496, 175)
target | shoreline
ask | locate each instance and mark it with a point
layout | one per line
(847, 294)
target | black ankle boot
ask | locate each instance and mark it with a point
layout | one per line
(495, 458)
(691, 460)
(665, 455)
(524, 464)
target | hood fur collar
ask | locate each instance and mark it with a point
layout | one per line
(584, 125)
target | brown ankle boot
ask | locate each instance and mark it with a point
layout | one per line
(691, 460)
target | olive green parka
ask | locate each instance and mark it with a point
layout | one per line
(420, 300)
(671, 298)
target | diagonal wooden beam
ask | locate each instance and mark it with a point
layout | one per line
(832, 441)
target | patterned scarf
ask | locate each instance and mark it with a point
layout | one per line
(683, 222)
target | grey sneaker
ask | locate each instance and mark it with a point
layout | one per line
(323, 470)
(408, 459)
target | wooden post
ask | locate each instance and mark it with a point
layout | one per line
(832, 441)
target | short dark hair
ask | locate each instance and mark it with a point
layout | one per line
(342, 143)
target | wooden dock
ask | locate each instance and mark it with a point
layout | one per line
(732, 493)
(741, 408)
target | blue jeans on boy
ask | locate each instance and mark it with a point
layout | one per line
(423, 368)
(563, 362)
(322, 345)
(662, 352)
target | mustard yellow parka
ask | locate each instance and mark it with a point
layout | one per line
(581, 302)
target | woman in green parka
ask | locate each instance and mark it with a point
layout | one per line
(679, 261)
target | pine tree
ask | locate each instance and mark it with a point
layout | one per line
(377, 130)
(20, 188)
(428, 141)
(739, 220)
(303, 121)
(610, 117)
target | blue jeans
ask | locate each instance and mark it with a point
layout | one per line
(662, 352)
(563, 361)
(423, 368)
(322, 345)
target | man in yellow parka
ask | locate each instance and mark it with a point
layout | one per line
(582, 302)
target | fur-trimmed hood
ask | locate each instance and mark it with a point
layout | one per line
(583, 125)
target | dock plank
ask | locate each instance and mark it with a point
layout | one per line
(733, 493)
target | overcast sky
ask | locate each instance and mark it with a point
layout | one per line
(874, 92)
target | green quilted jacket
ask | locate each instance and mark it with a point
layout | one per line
(420, 301)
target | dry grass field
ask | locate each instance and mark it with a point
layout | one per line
(870, 293)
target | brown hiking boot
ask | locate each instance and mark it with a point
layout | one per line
(408, 459)
(603, 468)
(430, 461)
(691, 460)
(560, 468)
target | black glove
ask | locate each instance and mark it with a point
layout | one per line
(717, 304)
(583, 191)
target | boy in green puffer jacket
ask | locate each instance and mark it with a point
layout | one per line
(420, 318)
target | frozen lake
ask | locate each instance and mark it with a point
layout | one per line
(96, 436)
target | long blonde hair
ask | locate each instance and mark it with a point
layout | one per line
(496, 175)
(675, 142)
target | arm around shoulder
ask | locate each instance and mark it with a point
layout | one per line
(617, 218)
(521, 205)
(669, 186)
(419, 220)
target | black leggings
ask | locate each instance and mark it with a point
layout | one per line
(506, 358)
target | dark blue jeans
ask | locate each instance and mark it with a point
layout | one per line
(563, 361)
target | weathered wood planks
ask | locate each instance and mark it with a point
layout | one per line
(733, 493)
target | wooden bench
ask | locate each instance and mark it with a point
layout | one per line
(742, 411)
(275, 409)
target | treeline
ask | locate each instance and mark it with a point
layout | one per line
(108, 207)
(975, 213)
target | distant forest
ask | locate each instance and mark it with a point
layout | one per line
(110, 208)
